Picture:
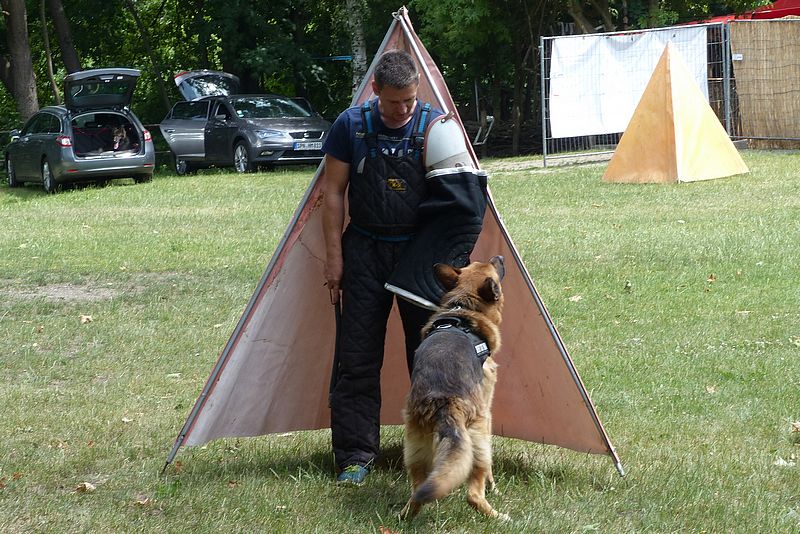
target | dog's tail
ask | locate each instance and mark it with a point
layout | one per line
(452, 459)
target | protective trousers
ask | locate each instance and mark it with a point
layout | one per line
(356, 397)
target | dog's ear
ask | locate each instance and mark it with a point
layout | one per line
(447, 275)
(499, 264)
(489, 290)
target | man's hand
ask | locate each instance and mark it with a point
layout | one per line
(333, 277)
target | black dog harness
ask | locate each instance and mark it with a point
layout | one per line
(451, 323)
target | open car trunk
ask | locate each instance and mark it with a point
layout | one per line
(105, 135)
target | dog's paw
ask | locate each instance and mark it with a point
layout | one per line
(505, 518)
(410, 510)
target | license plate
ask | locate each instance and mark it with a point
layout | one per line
(308, 145)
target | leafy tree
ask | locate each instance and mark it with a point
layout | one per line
(491, 45)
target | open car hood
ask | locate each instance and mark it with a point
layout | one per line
(100, 88)
(197, 84)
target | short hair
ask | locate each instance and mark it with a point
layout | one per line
(396, 68)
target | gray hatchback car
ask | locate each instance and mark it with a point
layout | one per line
(217, 126)
(94, 136)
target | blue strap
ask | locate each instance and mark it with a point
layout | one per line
(379, 237)
(369, 129)
(419, 132)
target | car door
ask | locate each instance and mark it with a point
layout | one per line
(219, 133)
(25, 155)
(184, 128)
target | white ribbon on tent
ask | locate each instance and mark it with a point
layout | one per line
(272, 375)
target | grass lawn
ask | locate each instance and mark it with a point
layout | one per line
(680, 305)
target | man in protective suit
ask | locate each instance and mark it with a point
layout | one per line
(376, 150)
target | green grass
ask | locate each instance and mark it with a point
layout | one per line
(686, 333)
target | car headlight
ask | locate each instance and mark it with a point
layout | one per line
(270, 134)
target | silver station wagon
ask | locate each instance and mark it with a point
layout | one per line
(216, 126)
(93, 137)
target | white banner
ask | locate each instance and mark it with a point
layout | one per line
(596, 81)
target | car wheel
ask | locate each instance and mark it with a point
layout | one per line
(11, 175)
(181, 166)
(48, 181)
(241, 158)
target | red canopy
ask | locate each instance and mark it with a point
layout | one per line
(776, 10)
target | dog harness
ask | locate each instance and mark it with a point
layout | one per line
(451, 323)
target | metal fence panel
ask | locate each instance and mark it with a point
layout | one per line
(600, 146)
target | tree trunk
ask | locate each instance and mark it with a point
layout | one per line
(574, 7)
(519, 79)
(21, 79)
(201, 30)
(298, 38)
(624, 12)
(48, 54)
(60, 22)
(358, 45)
(496, 97)
(151, 53)
(652, 13)
(602, 9)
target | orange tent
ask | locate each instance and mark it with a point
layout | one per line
(274, 372)
(673, 135)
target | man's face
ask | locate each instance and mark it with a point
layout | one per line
(396, 105)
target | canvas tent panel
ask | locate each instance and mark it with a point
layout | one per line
(537, 380)
(258, 381)
(273, 374)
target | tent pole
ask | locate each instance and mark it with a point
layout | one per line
(542, 101)
(402, 14)
(620, 469)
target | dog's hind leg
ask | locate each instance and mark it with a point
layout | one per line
(418, 457)
(490, 378)
(481, 472)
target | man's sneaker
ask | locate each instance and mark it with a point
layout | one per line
(353, 474)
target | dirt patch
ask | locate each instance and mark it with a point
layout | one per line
(62, 292)
(90, 291)
(537, 163)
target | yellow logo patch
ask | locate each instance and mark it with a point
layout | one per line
(396, 184)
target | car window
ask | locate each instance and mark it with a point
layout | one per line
(86, 120)
(33, 125)
(190, 110)
(90, 90)
(268, 108)
(221, 109)
(208, 85)
(51, 123)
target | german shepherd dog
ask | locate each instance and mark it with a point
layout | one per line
(448, 419)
